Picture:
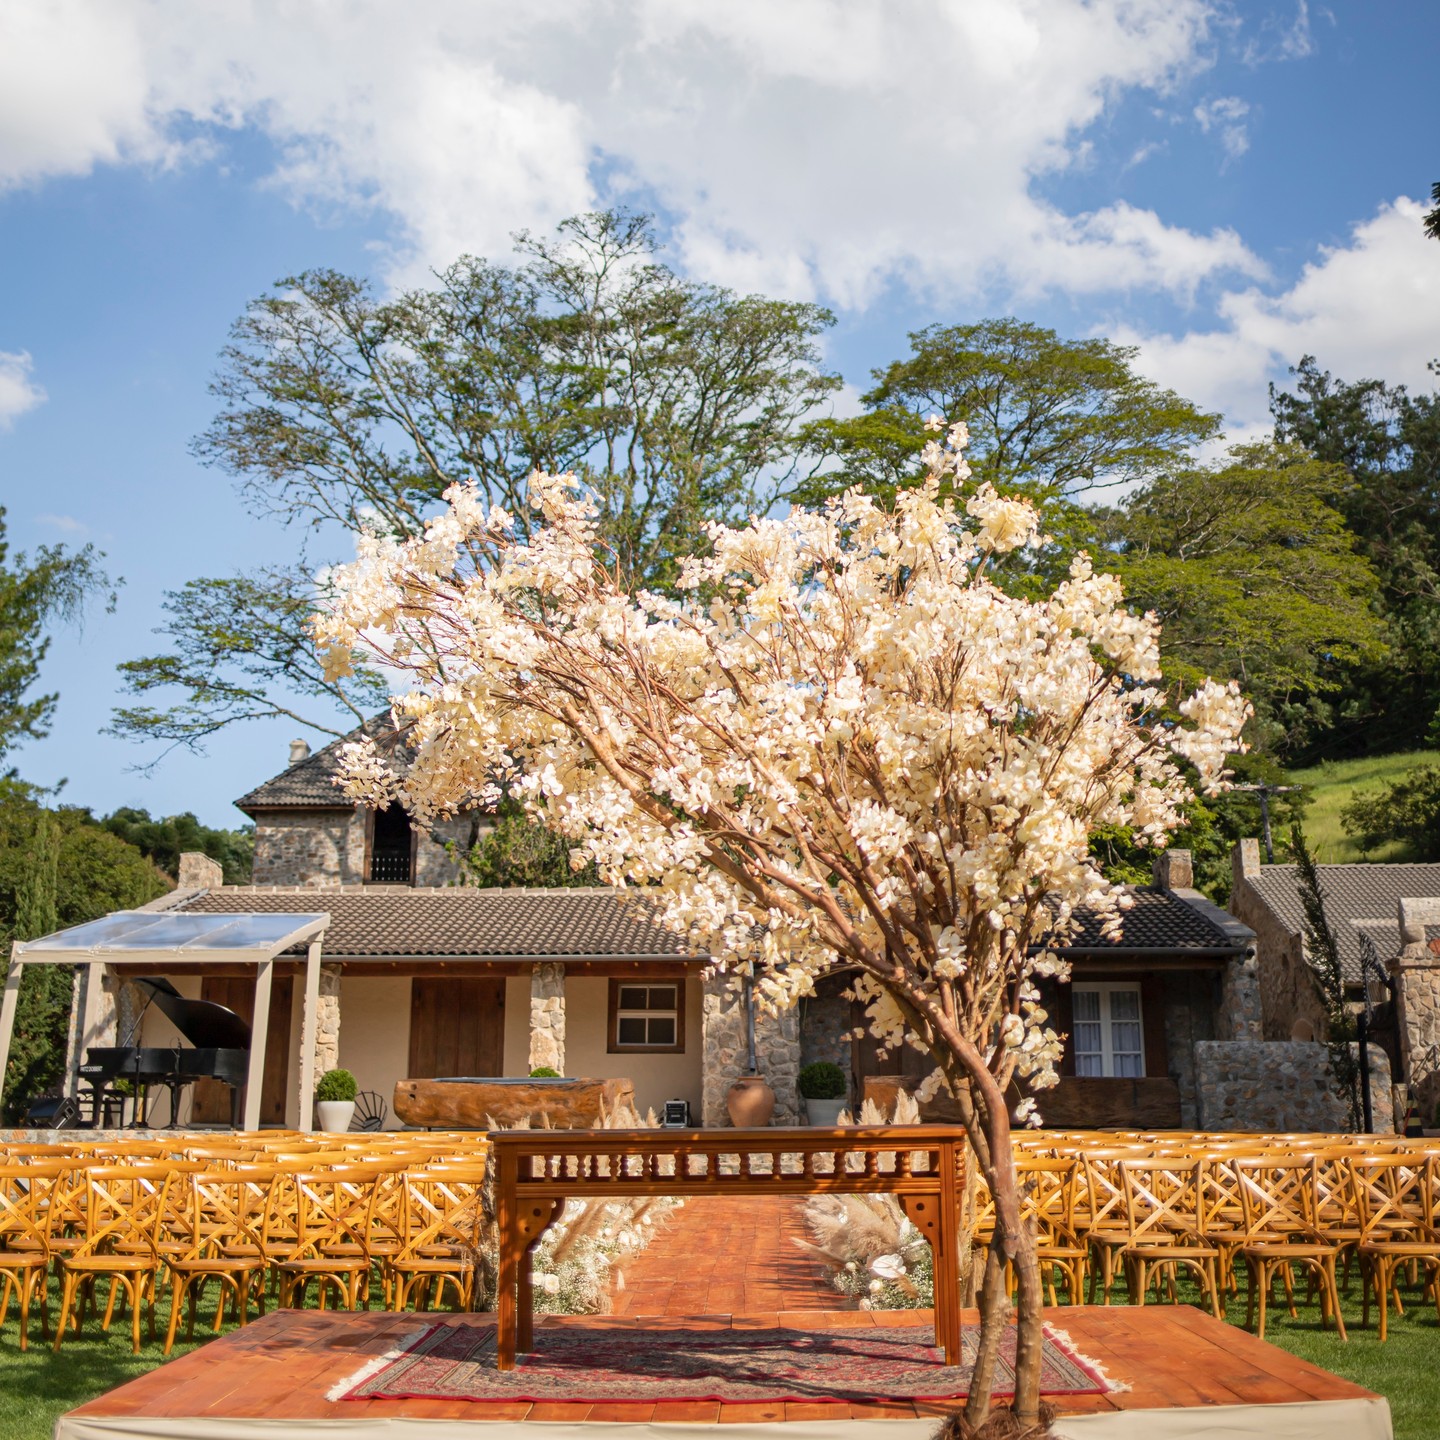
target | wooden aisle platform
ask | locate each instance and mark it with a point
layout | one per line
(281, 1367)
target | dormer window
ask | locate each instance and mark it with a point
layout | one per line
(392, 847)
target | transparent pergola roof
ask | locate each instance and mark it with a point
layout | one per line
(140, 931)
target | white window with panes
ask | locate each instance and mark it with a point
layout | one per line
(1108, 1033)
(646, 1017)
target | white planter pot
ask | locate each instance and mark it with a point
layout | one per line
(335, 1115)
(824, 1112)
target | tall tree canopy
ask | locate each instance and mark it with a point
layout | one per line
(1053, 418)
(1250, 567)
(678, 402)
(35, 592)
(1388, 442)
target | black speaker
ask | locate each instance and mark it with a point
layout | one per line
(52, 1112)
(677, 1115)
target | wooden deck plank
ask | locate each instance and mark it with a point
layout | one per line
(283, 1365)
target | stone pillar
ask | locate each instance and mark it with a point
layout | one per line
(327, 1029)
(1241, 1016)
(1173, 870)
(1416, 972)
(547, 1016)
(199, 872)
(1244, 862)
(722, 1054)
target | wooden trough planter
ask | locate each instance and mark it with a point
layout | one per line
(483, 1102)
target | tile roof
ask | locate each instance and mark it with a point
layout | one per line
(486, 924)
(1358, 897)
(378, 921)
(1164, 920)
(310, 785)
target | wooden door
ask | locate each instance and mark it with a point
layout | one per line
(457, 1027)
(211, 1104)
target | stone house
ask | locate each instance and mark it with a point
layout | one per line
(421, 976)
(1395, 907)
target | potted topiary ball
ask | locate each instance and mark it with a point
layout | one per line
(335, 1101)
(823, 1088)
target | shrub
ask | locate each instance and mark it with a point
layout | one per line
(545, 1072)
(1407, 810)
(336, 1085)
(822, 1080)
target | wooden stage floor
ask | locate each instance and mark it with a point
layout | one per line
(280, 1368)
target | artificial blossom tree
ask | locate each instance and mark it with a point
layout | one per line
(845, 747)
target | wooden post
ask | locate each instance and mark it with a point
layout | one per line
(946, 1254)
(508, 1268)
(7, 1010)
(259, 1032)
(309, 1034)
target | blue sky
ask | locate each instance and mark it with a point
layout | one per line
(1227, 186)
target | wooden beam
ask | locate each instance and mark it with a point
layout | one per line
(259, 1030)
(309, 1034)
(7, 1010)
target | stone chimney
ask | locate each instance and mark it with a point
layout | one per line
(299, 750)
(1173, 870)
(1245, 862)
(199, 872)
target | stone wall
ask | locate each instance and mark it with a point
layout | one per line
(1272, 1086)
(1189, 999)
(310, 848)
(825, 1024)
(777, 1051)
(1286, 983)
(313, 848)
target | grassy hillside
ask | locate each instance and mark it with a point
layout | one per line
(1330, 787)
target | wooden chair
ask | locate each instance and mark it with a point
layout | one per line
(220, 1205)
(1161, 1203)
(1100, 1218)
(1394, 1196)
(124, 1207)
(1048, 1189)
(441, 1223)
(1282, 1229)
(25, 1260)
(333, 1210)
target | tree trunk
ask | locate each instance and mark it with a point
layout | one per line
(994, 1315)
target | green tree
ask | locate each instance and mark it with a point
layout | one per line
(1406, 811)
(1057, 419)
(677, 402)
(1252, 571)
(36, 591)
(1432, 216)
(1388, 442)
(518, 851)
(164, 840)
(57, 868)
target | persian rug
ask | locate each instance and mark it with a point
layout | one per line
(591, 1365)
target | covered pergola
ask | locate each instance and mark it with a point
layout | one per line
(133, 940)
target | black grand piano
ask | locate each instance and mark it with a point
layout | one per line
(219, 1049)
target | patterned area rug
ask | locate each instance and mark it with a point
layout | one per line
(584, 1365)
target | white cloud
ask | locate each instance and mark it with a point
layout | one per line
(1226, 116)
(18, 392)
(66, 524)
(1370, 308)
(1280, 38)
(817, 147)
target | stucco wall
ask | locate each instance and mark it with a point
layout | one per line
(375, 1033)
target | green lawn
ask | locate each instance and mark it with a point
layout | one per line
(1330, 787)
(37, 1387)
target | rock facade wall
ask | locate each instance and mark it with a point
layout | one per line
(1273, 1086)
(777, 1052)
(1286, 983)
(314, 848)
(825, 1025)
(310, 848)
(547, 1017)
(1189, 999)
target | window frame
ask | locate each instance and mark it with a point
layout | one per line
(1105, 989)
(613, 1045)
